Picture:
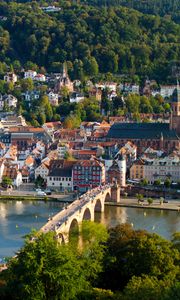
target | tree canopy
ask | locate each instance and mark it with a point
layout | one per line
(118, 264)
(96, 39)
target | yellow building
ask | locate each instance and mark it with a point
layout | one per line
(137, 170)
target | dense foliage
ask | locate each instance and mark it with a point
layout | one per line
(122, 264)
(154, 7)
(91, 39)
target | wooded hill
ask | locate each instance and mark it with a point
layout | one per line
(91, 39)
(169, 8)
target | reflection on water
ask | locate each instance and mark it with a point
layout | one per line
(163, 222)
(17, 218)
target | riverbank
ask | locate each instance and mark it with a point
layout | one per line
(60, 198)
(132, 202)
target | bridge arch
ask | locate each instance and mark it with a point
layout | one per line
(98, 206)
(61, 238)
(86, 214)
(74, 226)
(107, 197)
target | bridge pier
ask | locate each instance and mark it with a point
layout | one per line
(115, 193)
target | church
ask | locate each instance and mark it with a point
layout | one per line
(64, 81)
(164, 136)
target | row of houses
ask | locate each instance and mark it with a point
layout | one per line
(159, 167)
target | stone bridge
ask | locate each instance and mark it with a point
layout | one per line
(81, 209)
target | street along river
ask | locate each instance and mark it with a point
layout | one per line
(17, 218)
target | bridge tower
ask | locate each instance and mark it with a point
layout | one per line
(115, 192)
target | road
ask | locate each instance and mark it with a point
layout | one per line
(34, 194)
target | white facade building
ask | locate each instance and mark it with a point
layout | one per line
(42, 170)
(40, 78)
(166, 91)
(162, 168)
(10, 77)
(53, 98)
(62, 149)
(30, 74)
(76, 97)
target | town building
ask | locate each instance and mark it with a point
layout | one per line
(117, 172)
(166, 91)
(76, 97)
(40, 77)
(64, 81)
(9, 101)
(175, 116)
(12, 121)
(60, 175)
(159, 168)
(162, 168)
(53, 98)
(12, 171)
(29, 96)
(111, 86)
(43, 169)
(30, 74)
(10, 77)
(128, 88)
(129, 151)
(95, 93)
(162, 136)
(50, 8)
(88, 174)
(137, 171)
(62, 149)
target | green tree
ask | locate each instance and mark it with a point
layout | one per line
(6, 181)
(157, 182)
(150, 201)
(39, 181)
(167, 183)
(134, 253)
(91, 67)
(94, 237)
(139, 197)
(27, 84)
(144, 182)
(41, 118)
(176, 240)
(44, 269)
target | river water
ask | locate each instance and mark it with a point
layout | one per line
(17, 218)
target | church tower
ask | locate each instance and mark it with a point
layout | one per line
(175, 105)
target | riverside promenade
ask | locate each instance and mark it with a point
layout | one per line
(173, 205)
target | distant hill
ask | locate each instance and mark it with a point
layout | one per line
(91, 39)
(155, 7)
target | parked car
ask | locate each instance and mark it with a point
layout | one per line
(41, 193)
(165, 201)
(48, 192)
(38, 190)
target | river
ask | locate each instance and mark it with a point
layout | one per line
(17, 218)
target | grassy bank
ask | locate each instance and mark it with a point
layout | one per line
(21, 198)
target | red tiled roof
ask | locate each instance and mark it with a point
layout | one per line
(26, 129)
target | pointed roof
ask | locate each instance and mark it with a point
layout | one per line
(176, 93)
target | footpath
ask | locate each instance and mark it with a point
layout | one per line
(132, 202)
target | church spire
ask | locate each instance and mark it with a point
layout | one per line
(64, 70)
